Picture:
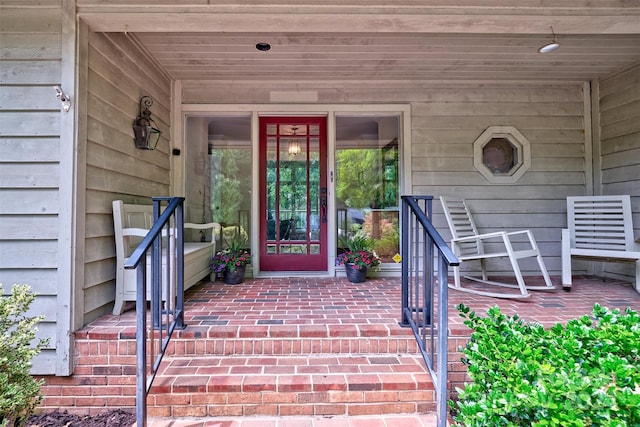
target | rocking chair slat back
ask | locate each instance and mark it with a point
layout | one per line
(461, 225)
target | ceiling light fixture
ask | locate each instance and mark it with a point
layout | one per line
(263, 46)
(294, 143)
(550, 47)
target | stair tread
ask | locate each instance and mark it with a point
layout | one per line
(388, 420)
(262, 331)
(287, 373)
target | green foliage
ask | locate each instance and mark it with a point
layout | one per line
(586, 373)
(238, 243)
(19, 391)
(359, 183)
(357, 240)
(230, 183)
(358, 251)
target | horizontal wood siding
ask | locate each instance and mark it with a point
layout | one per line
(446, 118)
(446, 124)
(620, 150)
(30, 63)
(119, 74)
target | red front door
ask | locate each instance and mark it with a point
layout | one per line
(293, 194)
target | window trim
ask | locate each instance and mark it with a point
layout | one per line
(523, 154)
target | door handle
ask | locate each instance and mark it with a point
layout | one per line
(323, 204)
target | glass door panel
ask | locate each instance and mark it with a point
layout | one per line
(293, 194)
(367, 182)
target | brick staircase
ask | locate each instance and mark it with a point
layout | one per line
(255, 365)
(287, 371)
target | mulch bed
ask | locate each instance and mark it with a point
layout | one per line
(112, 418)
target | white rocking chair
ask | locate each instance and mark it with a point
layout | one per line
(469, 245)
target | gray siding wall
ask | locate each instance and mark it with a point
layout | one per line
(620, 148)
(30, 114)
(118, 75)
(446, 119)
(33, 197)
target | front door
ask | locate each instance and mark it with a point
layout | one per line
(293, 194)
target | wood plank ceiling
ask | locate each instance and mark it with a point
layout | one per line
(472, 40)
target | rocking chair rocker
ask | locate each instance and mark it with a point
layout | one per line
(467, 244)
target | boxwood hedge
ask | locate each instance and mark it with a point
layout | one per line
(584, 373)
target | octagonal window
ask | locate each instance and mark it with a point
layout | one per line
(501, 154)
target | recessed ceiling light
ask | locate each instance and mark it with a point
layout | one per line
(263, 47)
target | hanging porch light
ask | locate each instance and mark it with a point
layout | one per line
(294, 143)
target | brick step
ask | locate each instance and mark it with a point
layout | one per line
(271, 339)
(322, 385)
(389, 420)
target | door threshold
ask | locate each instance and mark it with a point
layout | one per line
(280, 274)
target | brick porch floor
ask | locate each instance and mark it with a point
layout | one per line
(309, 306)
(292, 340)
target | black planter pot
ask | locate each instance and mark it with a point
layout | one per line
(355, 274)
(234, 277)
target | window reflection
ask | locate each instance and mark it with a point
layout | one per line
(230, 177)
(367, 186)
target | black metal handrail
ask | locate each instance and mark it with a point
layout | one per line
(422, 249)
(164, 245)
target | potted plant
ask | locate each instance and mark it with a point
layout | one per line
(358, 257)
(230, 263)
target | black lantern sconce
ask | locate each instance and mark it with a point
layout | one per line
(145, 131)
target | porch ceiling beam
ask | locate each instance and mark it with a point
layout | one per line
(124, 19)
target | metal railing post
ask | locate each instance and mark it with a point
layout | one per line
(404, 253)
(141, 345)
(179, 309)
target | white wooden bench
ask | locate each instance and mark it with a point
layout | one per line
(131, 223)
(599, 228)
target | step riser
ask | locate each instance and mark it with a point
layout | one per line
(227, 347)
(291, 404)
(292, 346)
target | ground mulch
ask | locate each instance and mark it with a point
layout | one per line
(112, 418)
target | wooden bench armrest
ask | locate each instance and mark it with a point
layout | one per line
(599, 253)
(205, 226)
(213, 226)
(140, 232)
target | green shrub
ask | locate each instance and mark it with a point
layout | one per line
(19, 391)
(586, 373)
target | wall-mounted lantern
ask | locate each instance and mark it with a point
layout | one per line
(145, 131)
